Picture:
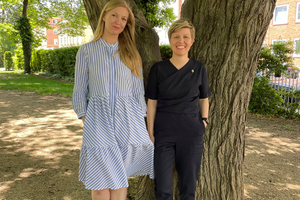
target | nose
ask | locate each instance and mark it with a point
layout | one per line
(118, 20)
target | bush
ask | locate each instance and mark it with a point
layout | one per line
(36, 63)
(8, 61)
(264, 98)
(58, 61)
(19, 57)
(165, 51)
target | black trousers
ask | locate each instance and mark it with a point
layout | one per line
(183, 151)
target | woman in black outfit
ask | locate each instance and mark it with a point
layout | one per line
(177, 114)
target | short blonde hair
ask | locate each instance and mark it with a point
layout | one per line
(179, 24)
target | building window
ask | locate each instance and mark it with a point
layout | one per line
(55, 42)
(54, 31)
(54, 21)
(296, 47)
(298, 12)
(281, 14)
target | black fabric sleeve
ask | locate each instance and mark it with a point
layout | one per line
(152, 86)
(204, 87)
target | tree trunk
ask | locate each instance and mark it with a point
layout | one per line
(229, 36)
(25, 5)
(3, 15)
(146, 37)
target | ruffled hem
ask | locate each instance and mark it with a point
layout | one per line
(109, 167)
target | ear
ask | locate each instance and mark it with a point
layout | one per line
(103, 19)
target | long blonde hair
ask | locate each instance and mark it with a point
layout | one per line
(129, 54)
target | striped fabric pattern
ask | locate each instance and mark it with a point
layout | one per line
(115, 143)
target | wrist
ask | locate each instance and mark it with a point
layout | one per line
(205, 120)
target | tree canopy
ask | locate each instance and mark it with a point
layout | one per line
(157, 12)
(39, 11)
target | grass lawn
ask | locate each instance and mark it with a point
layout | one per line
(21, 82)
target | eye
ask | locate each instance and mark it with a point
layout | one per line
(124, 19)
(113, 15)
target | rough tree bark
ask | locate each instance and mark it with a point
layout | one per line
(229, 36)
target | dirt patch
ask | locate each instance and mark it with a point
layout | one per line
(272, 159)
(40, 141)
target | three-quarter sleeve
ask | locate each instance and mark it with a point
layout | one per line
(204, 86)
(81, 86)
(152, 86)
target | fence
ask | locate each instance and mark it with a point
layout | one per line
(289, 82)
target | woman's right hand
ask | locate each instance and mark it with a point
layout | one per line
(82, 118)
(152, 138)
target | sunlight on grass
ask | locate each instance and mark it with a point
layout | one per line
(8, 72)
(22, 82)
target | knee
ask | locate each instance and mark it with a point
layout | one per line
(99, 193)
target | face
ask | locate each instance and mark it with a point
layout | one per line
(181, 42)
(115, 20)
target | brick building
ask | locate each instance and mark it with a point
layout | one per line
(53, 40)
(285, 25)
(51, 35)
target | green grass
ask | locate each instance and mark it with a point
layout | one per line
(22, 82)
(7, 72)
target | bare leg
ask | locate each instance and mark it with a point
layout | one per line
(119, 194)
(100, 194)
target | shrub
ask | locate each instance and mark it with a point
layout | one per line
(58, 61)
(165, 51)
(19, 57)
(264, 98)
(8, 61)
(36, 63)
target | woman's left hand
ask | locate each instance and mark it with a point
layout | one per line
(205, 124)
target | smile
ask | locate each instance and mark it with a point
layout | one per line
(180, 47)
(116, 27)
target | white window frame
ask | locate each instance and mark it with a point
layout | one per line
(295, 54)
(54, 21)
(298, 12)
(55, 31)
(55, 42)
(264, 43)
(274, 15)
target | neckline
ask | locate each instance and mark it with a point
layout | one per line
(113, 46)
(181, 67)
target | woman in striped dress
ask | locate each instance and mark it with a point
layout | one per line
(109, 98)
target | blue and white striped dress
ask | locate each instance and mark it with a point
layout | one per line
(115, 143)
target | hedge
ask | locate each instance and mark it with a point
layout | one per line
(62, 61)
(8, 61)
(58, 61)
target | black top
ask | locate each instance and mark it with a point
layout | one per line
(178, 91)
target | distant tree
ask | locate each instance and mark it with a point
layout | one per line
(28, 15)
(275, 58)
(8, 39)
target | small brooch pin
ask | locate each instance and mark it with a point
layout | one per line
(192, 70)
